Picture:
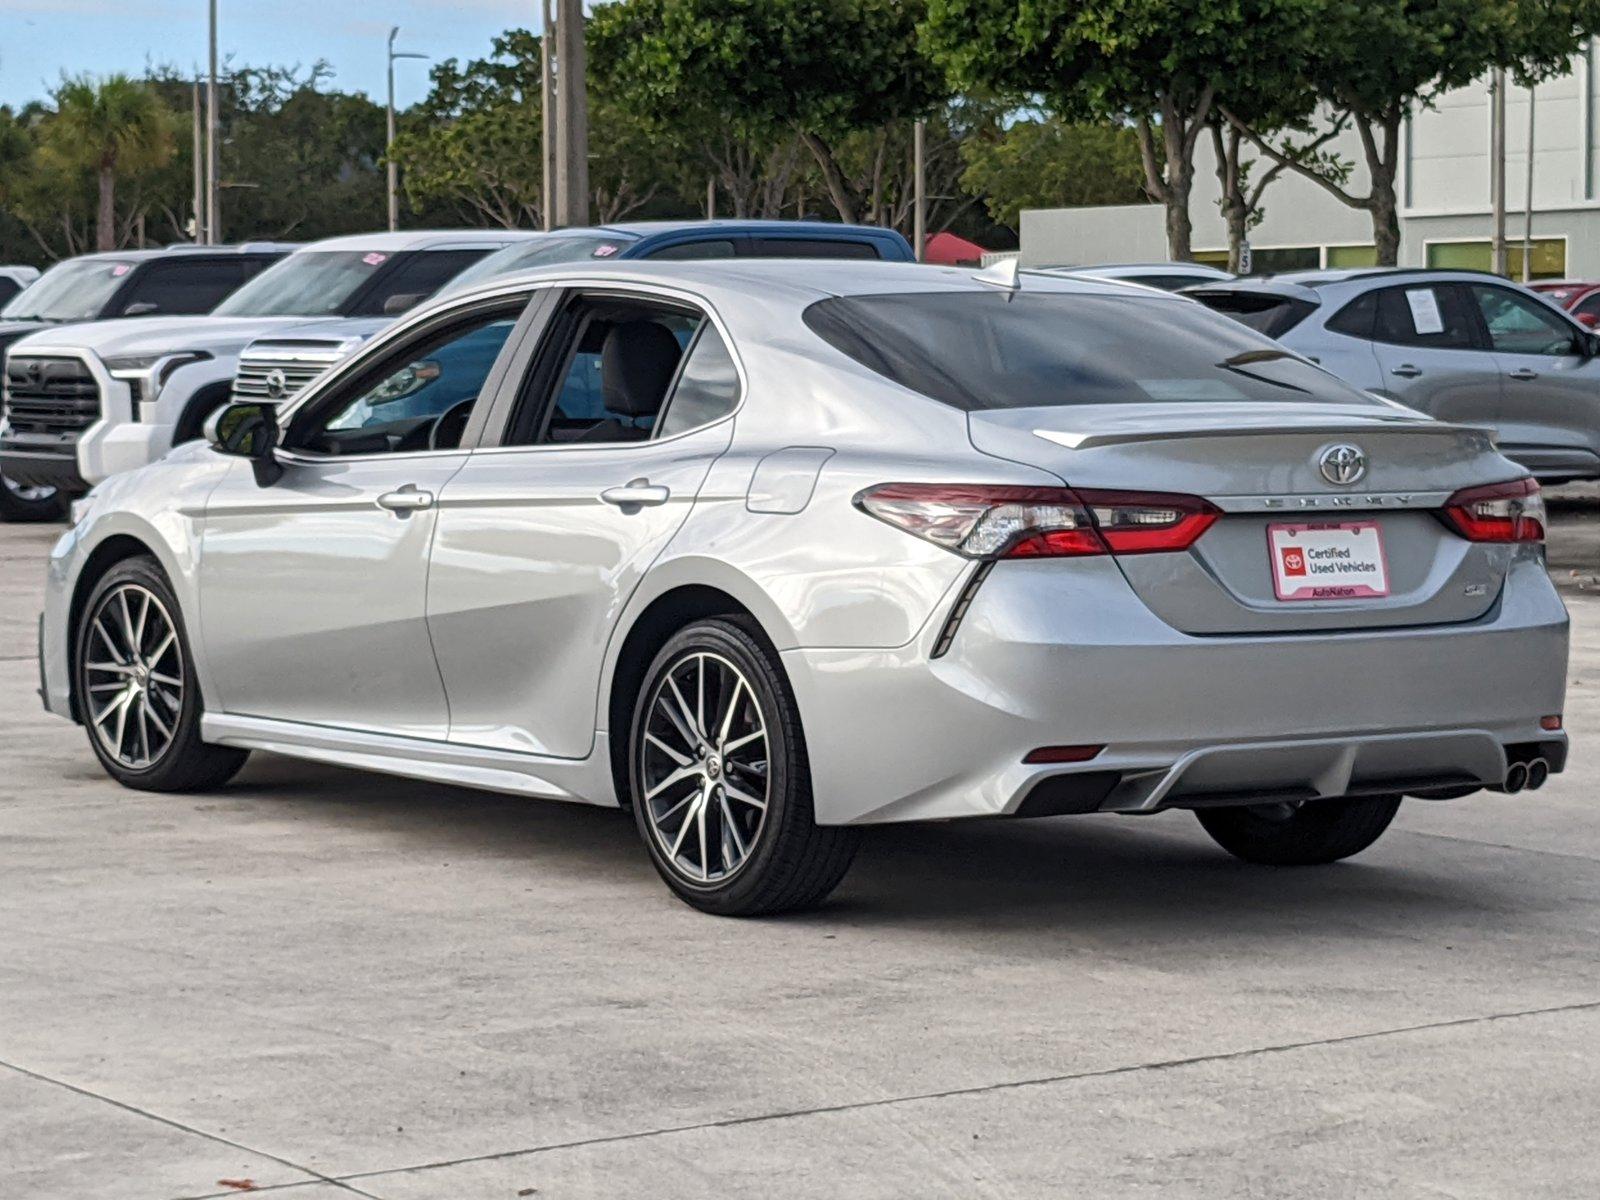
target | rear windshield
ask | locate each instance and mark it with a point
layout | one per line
(1263, 312)
(979, 351)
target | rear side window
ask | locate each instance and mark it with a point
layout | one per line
(1358, 318)
(1429, 315)
(417, 278)
(708, 385)
(1264, 312)
(718, 248)
(772, 247)
(9, 287)
(992, 350)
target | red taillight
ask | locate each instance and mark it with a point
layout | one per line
(1551, 723)
(984, 521)
(1499, 512)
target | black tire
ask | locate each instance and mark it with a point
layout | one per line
(186, 764)
(790, 861)
(1322, 831)
(19, 505)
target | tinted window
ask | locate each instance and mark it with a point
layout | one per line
(1588, 307)
(1428, 315)
(9, 287)
(181, 288)
(708, 386)
(1264, 312)
(1171, 283)
(76, 290)
(312, 283)
(989, 350)
(771, 247)
(538, 252)
(418, 275)
(582, 410)
(718, 248)
(1357, 318)
(1520, 324)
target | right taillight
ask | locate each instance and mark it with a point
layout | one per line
(990, 521)
(1498, 512)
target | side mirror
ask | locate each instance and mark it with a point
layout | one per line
(248, 430)
(401, 301)
(142, 308)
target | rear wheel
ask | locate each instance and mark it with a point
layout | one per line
(20, 502)
(136, 687)
(1297, 835)
(720, 783)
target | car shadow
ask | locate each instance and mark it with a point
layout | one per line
(1127, 878)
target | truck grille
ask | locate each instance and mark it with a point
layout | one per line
(50, 395)
(279, 370)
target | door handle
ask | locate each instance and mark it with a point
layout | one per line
(637, 493)
(1406, 371)
(1523, 373)
(406, 500)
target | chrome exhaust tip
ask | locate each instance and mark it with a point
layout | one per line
(1516, 779)
(1538, 772)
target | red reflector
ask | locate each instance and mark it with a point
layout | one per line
(1062, 754)
(1500, 512)
(1552, 722)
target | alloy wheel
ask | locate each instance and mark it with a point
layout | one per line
(703, 764)
(28, 493)
(134, 672)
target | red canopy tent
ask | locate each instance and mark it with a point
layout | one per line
(948, 250)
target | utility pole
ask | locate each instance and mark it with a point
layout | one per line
(1527, 207)
(388, 153)
(547, 119)
(572, 117)
(1497, 171)
(919, 166)
(711, 197)
(213, 176)
(199, 234)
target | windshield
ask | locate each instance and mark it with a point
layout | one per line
(76, 290)
(312, 283)
(1000, 350)
(541, 252)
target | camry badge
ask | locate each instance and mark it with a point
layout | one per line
(1342, 464)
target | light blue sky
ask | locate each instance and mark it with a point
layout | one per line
(39, 39)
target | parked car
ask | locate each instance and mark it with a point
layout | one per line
(767, 552)
(1168, 276)
(176, 281)
(278, 365)
(109, 397)
(14, 279)
(1459, 345)
(1580, 298)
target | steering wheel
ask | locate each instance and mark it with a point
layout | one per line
(452, 423)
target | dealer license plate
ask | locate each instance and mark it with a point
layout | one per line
(1328, 561)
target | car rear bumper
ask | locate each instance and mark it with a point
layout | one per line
(1058, 654)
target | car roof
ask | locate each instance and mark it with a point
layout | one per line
(728, 225)
(807, 279)
(146, 254)
(1143, 268)
(425, 239)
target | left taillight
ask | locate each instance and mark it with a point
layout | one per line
(989, 521)
(1498, 512)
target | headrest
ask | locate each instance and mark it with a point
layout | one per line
(636, 365)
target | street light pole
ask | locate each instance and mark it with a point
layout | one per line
(392, 168)
(572, 117)
(547, 119)
(919, 160)
(213, 175)
(199, 234)
(1497, 171)
(1527, 208)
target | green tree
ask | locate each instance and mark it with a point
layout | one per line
(1047, 162)
(1371, 62)
(116, 127)
(820, 70)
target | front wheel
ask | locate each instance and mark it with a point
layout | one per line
(1299, 835)
(136, 688)
(20, 502)
(720, 782)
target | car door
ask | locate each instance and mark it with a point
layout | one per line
(542, 539)
(1550, 413)
(313, 589)
(1430, 355)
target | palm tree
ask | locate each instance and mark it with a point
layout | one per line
(110, 126)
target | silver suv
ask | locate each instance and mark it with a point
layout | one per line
(1458, 345)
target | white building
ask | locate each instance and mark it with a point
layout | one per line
(1445, 214)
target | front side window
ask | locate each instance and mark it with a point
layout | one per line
(183, 288)
(992, 350)
(1432, 316)
(1588, 310)
(418, 399)
(76, 290)
(1520, 324)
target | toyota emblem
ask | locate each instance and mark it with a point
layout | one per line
(278, 387)
(1343, 464)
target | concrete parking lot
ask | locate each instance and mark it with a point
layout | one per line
(325, 983)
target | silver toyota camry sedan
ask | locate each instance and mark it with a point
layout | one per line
(768, 552)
